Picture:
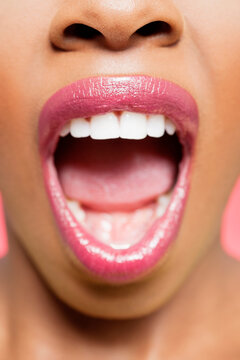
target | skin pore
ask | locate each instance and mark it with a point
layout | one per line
(187, 307)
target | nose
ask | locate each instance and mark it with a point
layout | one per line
(115, 24)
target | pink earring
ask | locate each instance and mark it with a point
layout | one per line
(230, 231)
(3, 231)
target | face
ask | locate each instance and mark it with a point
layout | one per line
(195, 45)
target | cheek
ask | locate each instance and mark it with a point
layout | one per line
(215, 29)
(24, 40)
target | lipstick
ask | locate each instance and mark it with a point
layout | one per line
(98, 95)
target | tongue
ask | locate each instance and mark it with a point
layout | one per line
(116, 175)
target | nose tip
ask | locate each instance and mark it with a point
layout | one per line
(117, 26)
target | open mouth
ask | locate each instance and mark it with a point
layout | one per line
(116, 157)
(117, 172)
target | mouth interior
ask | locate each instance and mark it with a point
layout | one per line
(117, 188)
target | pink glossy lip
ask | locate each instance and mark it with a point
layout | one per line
(96, 95)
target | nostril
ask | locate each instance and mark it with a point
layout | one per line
(155, 28)
(81, 31)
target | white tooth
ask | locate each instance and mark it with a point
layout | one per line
(76, 209)
(164, 199)
(80, 215)
(119, 246)
(65, 130)
(160, 210)
(170, 127)
(156, 125)
(80, 128)
(133, 125)
(163, 202)
(105, 126)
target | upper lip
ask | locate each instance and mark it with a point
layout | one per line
(142, 93)
(91, 96)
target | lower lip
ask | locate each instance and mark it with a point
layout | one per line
(102, 261)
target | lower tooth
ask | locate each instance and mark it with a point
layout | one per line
(160, 211)
(163, 202)
(79, 213)
(120, 246)
(76, 209)
(164, 199)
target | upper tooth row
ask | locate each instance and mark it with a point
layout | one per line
(130, 125)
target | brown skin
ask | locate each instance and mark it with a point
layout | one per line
(202, 55)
